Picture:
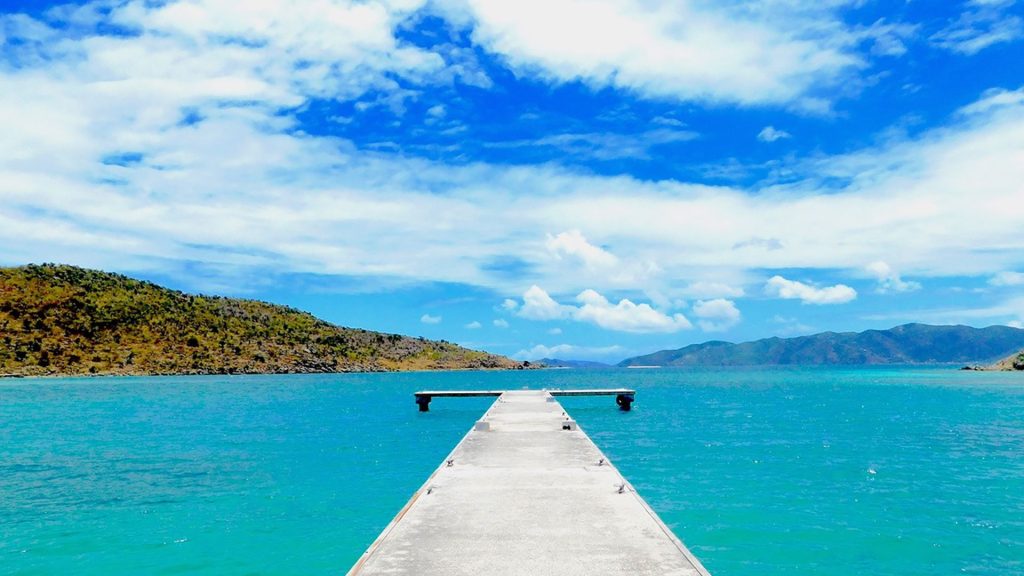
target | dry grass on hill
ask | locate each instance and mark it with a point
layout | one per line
(57, 320)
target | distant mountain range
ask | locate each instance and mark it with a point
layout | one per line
(64, 320)
(557, 363)
(907, 344)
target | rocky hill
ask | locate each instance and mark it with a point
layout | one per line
(1012, 362)
(907, 344)
(63, 320)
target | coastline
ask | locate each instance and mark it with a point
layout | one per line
(520, 366)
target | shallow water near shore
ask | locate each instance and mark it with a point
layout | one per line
(759, 471)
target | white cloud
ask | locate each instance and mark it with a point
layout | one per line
(538, 305)
(792, 289)
(604, 145)
(554, 331)
(888, 39)
(982, 25)
(754, 53)
(574, 245)
(500, 323)
(570, 352)
(708, 290)
(474, 325)
(716, 315)
(771, 134)
(889, 280)
(329, 49)
(428, 319)
(509, 305)
(571, 254)
(667, 121)
(1007, 278)
(993, 100)
(625, 316)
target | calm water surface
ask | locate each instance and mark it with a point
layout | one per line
(760, 472)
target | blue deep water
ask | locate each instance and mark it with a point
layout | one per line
(902, 471)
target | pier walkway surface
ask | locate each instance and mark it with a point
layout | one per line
(526, 492)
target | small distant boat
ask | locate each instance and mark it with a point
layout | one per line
(644, 367)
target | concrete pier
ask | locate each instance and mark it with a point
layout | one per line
(525, 493)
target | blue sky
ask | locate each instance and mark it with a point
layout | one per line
(588, 180)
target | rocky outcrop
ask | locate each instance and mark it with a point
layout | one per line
(1014, 362)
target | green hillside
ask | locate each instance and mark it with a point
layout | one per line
(57, 320)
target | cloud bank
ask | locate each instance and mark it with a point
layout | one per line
(755, 53)
(593, 308)
(570, 352)
(178, 140)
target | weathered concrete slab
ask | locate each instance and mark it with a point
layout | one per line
(525, 496)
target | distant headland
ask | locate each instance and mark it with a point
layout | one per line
(58, 320)
(906, 344)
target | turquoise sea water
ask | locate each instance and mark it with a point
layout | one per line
(760, 472)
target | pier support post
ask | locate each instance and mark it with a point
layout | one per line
(424, 402)
(625, 402)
